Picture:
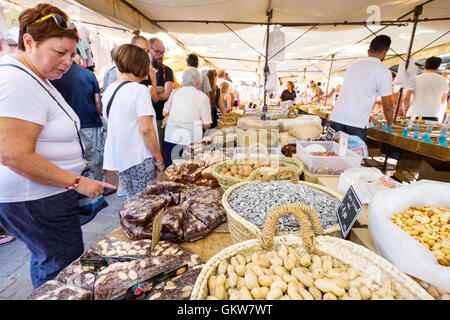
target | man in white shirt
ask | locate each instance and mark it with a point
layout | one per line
(430, 93)
(364, 81)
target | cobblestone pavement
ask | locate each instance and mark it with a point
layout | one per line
(15, 281)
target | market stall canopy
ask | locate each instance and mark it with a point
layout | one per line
(104, 33)
(231, 34)
(81, 15)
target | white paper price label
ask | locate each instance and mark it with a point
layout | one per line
(343, 144)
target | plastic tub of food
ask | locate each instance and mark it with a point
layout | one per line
(329, 162)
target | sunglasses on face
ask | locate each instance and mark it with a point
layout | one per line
(11, 43)
(59, 20)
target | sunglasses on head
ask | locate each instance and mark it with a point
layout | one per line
(59, 20)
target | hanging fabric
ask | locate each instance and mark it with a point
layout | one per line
(277, 42)
(406, 79)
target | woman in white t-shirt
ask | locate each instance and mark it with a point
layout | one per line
(131, 146)
(40, 153)
(189, 115)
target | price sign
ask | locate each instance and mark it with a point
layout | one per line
(343, 144)
(330, 134)
(157, 227)
(405, 133)
(442, 141)
(426, 138)
(348, 211)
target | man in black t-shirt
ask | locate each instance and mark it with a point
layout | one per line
(164, 82)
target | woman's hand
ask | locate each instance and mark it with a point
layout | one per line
(92, 188)
(160, 168)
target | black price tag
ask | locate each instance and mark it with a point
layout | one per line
(348, 211)
(330, 134)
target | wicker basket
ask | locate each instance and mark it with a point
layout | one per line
(350, 253)
(226, 181)
(242, 229)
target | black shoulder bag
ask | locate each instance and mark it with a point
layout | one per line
(113, 96)
(88, 208)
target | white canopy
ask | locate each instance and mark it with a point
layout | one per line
(231, 42)
(234, 39)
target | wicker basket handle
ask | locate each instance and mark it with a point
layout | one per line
(300, 211)
(280, 171)
(271, 174)
(259, 145)
(230, 121)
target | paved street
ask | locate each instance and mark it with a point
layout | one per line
(15, 282)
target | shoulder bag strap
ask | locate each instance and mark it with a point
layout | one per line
(57, 102)
(164, 73)
(113, 96)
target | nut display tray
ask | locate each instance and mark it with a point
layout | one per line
(327, 164)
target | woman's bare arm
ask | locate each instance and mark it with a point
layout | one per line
(18, 140)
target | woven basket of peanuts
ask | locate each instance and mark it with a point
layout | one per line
(310, 267)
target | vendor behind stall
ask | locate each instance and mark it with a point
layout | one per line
(364, 81)
(430, 93)
(289, 93)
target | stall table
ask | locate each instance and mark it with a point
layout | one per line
(431, 161)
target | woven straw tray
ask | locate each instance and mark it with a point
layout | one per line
(242, 229)
(360, 258)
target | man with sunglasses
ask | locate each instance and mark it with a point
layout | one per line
(164, 80)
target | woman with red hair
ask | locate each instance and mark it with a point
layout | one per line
(40, 153)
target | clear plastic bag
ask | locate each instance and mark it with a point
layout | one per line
(366, 182)
(356, 144)
(397, 246)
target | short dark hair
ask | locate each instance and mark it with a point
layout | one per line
(192, 60)
(380, 44)
(153, 40)
(132, 59)
(433, 63)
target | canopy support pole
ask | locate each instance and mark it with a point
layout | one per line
(417, 13)
(377, 32)
(328, 82)
(266, 65)
(259, 78)
(398, 55)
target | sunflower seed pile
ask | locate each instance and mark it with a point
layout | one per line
(254, 200)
